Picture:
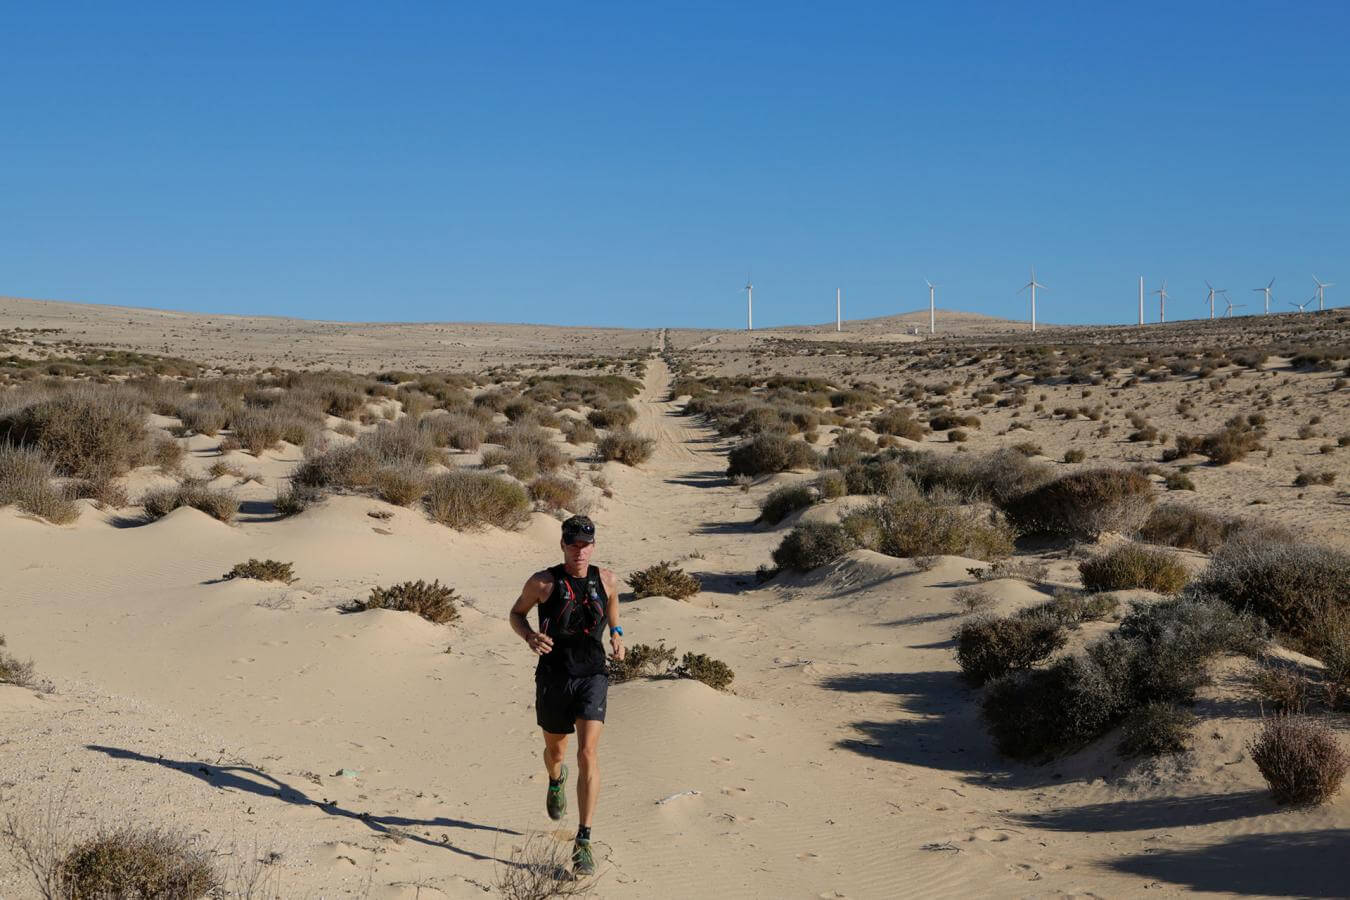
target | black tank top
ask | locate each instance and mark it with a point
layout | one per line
(574, 616)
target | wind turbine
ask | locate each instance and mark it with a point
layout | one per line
(1162, 301)
(1304, 305)
(749, 305)
(1141, 301)
(1321, 289)
(1033, 284)
(932, 310)
(1212, 292)
(1266, 291)
(838, 309)
(1228, 313)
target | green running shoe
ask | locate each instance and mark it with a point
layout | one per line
(582, 861)
(557, 797)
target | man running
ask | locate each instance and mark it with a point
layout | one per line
(576, 601)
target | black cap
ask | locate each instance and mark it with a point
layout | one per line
(578, 528)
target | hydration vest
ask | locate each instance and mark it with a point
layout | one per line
(574, 617)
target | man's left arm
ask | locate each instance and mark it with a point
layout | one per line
(612, 612)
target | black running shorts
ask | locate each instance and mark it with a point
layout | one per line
(560, 700)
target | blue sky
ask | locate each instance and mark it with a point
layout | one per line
(629, 164)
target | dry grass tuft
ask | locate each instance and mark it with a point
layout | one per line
(193, 492)
(538, 869)
(1131, 566)
(466, 500)
(263, 570)
(626, 447)
(663, 580)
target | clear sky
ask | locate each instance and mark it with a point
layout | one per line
(631, 163)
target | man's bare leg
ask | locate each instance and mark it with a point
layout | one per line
(555, 751)
(588, 768)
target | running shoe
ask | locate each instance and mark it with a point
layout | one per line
(582, 861)
(557, 796)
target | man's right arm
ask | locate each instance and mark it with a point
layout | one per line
(536, 591)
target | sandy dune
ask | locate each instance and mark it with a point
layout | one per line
(379, 753)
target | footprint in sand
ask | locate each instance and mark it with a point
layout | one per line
(735, 791)
(723, 761)
(808, 856)
(988, 834)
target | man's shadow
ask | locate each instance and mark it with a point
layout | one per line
(249, 780)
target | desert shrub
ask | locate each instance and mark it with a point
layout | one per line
(1300, 589)
(1032, 570)
(1230, 444)
(899, 422)
(193, 492)
(1307, 479)
(972, 599)
(944, 421)
(830, 484)
(1039, 713)
(1027, 448)
(765, 454)
(1176, 481)
(906, 527)
(1084, 504)
(663, 580)
(14, 671)
(460, 431)
(1074, 607)
(997, 477)
(465, 500)
(642, 661)
(85, 432)
(1074, 456)
(351, 466)
(401, 484)
(1301, 760)
(958, 435)
(989, 647)
(434, 602)
(555, 492)
(26, 482)
(520, 462)
(625, 447)
(257, 430)
(579, 431)
(103, 491)
(878, 476)
(131, 862)
(1156, 728)
(712, 672)
(1286, 689)
(1133, 566)
(1176, 525)
(785, 500)
(849, 447)
(296, 498)
(812, 544)
(618, 415)
(205, 416)
(404, 443)
(263, 570)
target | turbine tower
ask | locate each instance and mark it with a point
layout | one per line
(1033, 284)
(1141, 301)
(1228, 313)
(749, 306)
(932, 310)
(838, 309)
(1321, 290)
(1266, 291)
(1162, 301)
(1212, 292)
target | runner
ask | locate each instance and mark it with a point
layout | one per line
(576, 602)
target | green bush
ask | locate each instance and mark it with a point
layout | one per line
(642, 661)
(465, 500)
(434, 602)
(831, 484)
(135, 862)
(712, 672)
(625, 447)
(1156, 728)
(990, 647)
(1131, 566)
(1301, 760)
(784, 501)
(263, 570)
(812, 544)
(1085, 504)
(905, 528)
(1074, 456)
(767, 453)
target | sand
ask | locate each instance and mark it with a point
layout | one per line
(378, 754)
